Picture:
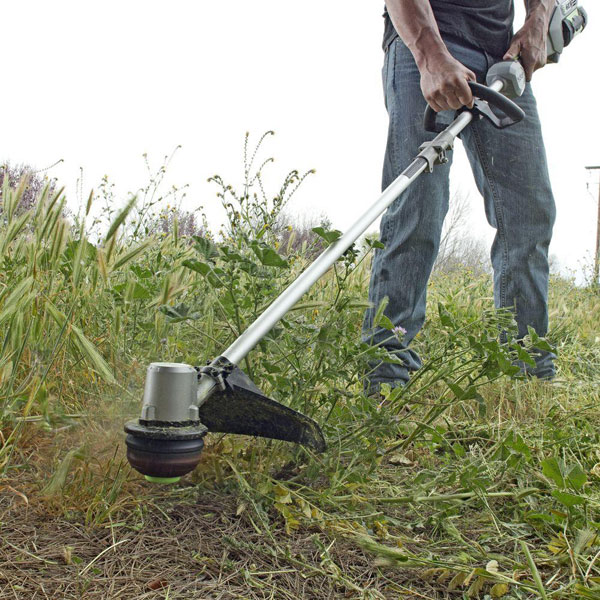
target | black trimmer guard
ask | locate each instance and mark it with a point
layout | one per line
(243, 409)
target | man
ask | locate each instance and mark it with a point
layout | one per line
(432, 48)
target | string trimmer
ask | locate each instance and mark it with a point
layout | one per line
(182, 403)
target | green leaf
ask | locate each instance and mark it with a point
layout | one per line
(576, 478)
(140, 292)
(506, 365)
(380, 309)
(120, 218)
(374, 243)
(204, 269)
(542, 344)
(268, 256)
(385, 323)
(85, 347)
(179, 313)
(232, 256)
(445, 317)
(459, 450)
(456, 390)
(516, 443)
(205, 247)
(524, 356)
(551, 469)
(569, 500)
(328, 236)
(129, 256)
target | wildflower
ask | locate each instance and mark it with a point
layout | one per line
(399, 332)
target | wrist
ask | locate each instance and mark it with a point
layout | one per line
(436, 59)
(428, 49)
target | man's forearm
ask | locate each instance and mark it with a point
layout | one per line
(540, 10)
(529, 43)
(416, 25)
(443, 78)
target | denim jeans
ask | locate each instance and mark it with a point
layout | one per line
(511, 173)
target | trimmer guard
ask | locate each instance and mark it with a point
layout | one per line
(243, 409)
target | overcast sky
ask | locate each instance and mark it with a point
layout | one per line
(98, 84)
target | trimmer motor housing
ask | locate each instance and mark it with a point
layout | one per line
(567, 21)
(167, 440)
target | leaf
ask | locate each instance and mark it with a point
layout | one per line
(476, 587)
(374, 243)
(129, 256)
(380, 309)
(199, 267)
(400, 459)
(456, 390)
(524, 356)
(576, 478)
(157, 584)
(542, 344)
(585, 539)
(551, 469)
(499, 590)
(457, 581)
(179, 313)
(119, 219)
(59, 477)
(85, 347)
(585, 592)
(282, 495)
(268, 256)
(506, 365)
(328, 236)
(385, 323)
(205, 247)
(569, 500)
(516, 443)
(459, 450)
(445, 317)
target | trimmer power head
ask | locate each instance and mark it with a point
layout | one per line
(167, 441)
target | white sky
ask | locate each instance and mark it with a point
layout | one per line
(99, 83)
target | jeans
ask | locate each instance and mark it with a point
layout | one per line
(511, 173)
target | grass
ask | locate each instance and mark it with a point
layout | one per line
(469, 483)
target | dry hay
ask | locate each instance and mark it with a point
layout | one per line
(192, 549)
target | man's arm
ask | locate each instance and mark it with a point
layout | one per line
(443, 78)
(529, 43)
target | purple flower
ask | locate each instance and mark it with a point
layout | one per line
(399, 332)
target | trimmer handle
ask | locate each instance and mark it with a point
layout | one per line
(484, 98)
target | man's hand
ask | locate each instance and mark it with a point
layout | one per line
(529, 44)
(443, 78)
(444, 82)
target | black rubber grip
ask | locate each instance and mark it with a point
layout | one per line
(508, 107)
(513, 113)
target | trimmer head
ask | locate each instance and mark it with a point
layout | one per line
(167, 441)
(164, 453)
